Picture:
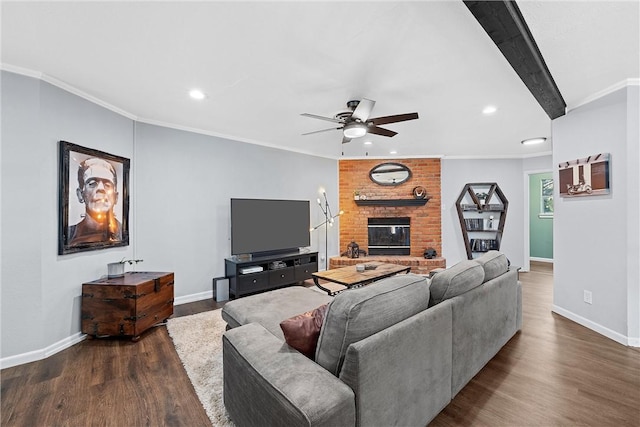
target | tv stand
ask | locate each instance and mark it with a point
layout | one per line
(292, 269)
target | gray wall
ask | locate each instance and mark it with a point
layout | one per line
(181, 184)
(41, 290)
(508, 175)
(184, 184)
(596, 238)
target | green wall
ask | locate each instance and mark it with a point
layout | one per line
(540, 229)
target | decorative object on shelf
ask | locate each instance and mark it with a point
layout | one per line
(482, 197)
(390, 174)
(430, 253)
(328, 222)
(353, 250)
(592, 174)
(419, 192)
(356, 195)
(97, 215)
(480, 207)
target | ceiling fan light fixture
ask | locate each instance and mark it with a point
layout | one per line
(532, 141)
(354, 130)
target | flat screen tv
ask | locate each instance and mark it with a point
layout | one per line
(262, 227)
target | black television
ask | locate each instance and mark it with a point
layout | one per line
(266, 227)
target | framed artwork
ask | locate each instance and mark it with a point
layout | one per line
(93, 188)
(590, 176)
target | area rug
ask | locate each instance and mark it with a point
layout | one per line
(198, 342)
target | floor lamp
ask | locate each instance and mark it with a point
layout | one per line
(328, 222)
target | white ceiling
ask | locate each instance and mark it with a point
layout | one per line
(261, 64)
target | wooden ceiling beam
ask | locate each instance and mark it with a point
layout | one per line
(506, 26)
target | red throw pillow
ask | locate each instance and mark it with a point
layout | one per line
(302, 331)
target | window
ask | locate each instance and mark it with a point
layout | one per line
(546, 198)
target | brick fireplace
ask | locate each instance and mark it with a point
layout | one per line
(425, 219)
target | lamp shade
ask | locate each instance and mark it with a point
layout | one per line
(354, 130)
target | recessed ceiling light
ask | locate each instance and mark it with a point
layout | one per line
(489, 109)
(393, 152)
(197, 94)
(532, 141)
(368, 143)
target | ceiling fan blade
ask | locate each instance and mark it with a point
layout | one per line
(345, 140)
(329, 119)
(363, 110)
(380, 131)
(393, 119)
(318, 131)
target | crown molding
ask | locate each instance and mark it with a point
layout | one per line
(66, 87)
(604, 92)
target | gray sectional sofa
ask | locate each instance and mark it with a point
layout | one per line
(391, 353)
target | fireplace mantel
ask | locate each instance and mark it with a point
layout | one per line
(392, 202)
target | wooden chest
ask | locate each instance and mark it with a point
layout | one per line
(128, 305)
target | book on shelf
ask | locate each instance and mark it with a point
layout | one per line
(474, 224)
(483, 245)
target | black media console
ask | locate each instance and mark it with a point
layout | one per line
(272, 272)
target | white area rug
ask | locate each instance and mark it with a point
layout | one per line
(198, 342)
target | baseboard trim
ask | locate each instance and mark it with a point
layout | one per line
(596, 327)
(549, 260)
(34, 356)
(43, 353)
(193, 297)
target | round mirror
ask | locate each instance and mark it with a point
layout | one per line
(390, 174)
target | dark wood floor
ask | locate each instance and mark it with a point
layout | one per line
(553, 373)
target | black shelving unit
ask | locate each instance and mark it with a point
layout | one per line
(482, 211)
(273, 272)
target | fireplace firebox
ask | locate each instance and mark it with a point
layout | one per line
(389, 236)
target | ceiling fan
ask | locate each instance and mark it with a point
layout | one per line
(356, 122)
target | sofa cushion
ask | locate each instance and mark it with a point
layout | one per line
(358, 313)
(271, 308)
(302, 331)
(456, 280)
(494, 263)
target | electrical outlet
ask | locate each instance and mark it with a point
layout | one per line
(588, 298)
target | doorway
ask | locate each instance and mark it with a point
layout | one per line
(539, 192)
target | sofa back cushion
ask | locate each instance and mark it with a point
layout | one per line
(456, 280)
(358, 313)
(494, 263)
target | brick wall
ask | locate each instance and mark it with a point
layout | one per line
(426, 220)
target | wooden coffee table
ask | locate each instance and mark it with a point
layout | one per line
(349, 277)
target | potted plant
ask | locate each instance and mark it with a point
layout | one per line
(356, 195)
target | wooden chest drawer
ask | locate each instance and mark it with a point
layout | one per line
(128, 305)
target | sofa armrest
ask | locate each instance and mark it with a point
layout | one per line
(402, 374)
(266, 382)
